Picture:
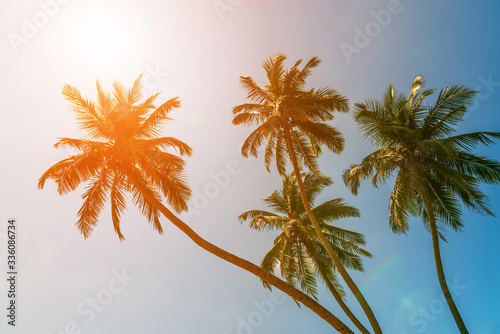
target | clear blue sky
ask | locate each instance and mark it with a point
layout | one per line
(198, 50)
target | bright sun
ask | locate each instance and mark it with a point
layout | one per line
(99, 37)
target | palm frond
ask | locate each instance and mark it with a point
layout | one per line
(94, 199)
(335, 209)
(275, 72)
(135, 93)
(482, 168)
(401, 201)
(281, 152)
(252, 214)
(324, 134)
(152, 124)
(118, 203)
(379, 164)
(256, 138)
(270, 150)
(255, 93)
(81, 145)
(469, 141)
(445, 206)
(277, 202)
(72, 171)
(140, 198)
(448, 111)
(273, 257)
(163, 143)
(305, 151)
(87, 117)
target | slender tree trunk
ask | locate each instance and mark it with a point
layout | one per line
(335, 293)
(244, 264)
(439, 266)
(336, 261)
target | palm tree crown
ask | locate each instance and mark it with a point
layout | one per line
(417, 145)
(297, 249)
(289, 250)
(123, 144)
(284, 105)
(292, 120)
(434, 169)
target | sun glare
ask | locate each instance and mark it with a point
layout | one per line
(99, 37)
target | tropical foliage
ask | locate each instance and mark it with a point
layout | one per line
(433, 168)
(297, 250)
(123, 146)
(124, 154)
(292, 121)
(284, 108)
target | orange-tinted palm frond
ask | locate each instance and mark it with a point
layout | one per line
(253, 107)
(94, 199)
(104, 102)
(250, 113)
(256, 138)
(81, 144)
(147, 104)
(86, 115)
(165, 172)
(305, 151)
(119, 93)
(270, 150)
(176, 190)
(274, 71)
(300, 78)
(165, 143)
(72, 171)
(282, 154)
(164, 160)
(323, 133)
(289, 78)
(141, 190)
(117, 199)
(135, 93)
(249, 118)
(255, 93)
(152, 124)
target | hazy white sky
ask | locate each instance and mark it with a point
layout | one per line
(197, 50)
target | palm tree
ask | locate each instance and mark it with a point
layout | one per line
(301, 256)
(126, 155)
(434, 168)
(292, 121)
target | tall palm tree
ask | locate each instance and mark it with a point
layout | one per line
(297, 250)
(126, 155)
(434, 168)
(292, 121)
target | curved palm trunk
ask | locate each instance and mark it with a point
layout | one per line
(244, 264)
(342, 271)
(335, 293)
(439, 266)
